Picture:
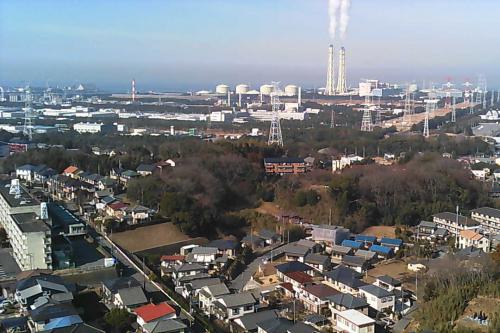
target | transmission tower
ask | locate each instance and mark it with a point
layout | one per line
(366, 122)
(332, 120)
(430, 106)
(378, 117)
(28, 115)
(275, 136)
(453, 110)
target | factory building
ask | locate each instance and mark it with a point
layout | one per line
(93, 128)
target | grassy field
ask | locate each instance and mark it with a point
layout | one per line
(149, 237)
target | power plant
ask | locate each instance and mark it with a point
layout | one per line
(342, 81)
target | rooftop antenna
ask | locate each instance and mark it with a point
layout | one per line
(275, 136)
(28, 115)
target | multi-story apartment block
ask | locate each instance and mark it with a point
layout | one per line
(454, 223)
(28, 234)
(488, 218)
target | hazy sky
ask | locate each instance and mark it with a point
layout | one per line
(194, 44)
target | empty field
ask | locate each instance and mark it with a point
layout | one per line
(380, 231)
(149, 237)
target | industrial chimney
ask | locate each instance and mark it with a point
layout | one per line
(342, 82)
(330, 75)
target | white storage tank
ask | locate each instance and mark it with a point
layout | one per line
(266, 89)
(222, 89)
(242, 88)
(291, 90)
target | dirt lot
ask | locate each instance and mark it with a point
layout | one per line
(394, 268)
(149, 237)
(380, 231)
(268, 208)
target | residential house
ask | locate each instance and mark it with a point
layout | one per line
(468, 238)
(253, 241)
(329, 234)
(187, 269)
(72, 171)
(366, 240)
(117, 210)
(53, 315)
(116, 173)
(165, 326)
(280, 325)
(106, 183)
(339, 251)
(300, 327)
(344, 279)
(312, 246)
(46, 286)
(145, 169)
(130, 298)
(352, 321)
(383, 252)
(319, 262)
(208, 294)
(169, 262)
(269, 237)
(232, 306)
(298, 280)
(225, 246)
(394, 243)
(341, 302)
(127, 175)
(454, 223)
(315, 297)
(248, 322)
(294, 252)
(488, 218)
(388, 282)
(25, 172)
(352, 244)
(369, 256)
(75, 328)
(191, 289)
(293, 266)
(202, 255)
(357, 263)
(139, 214)
(378, 298)
(150, 313)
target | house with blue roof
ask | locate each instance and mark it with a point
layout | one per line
(382, 251)
(367, 240)
(352, 244)
(395, 243)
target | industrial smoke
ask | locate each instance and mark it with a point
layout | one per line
(338, 11)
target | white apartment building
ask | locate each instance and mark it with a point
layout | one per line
(454, 223)
(488, 218)
(29, 236)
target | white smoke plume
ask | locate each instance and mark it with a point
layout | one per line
(333, 8)
(338, 11)
(344, 17)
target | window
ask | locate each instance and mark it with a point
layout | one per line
(236, 311)
(248, 307)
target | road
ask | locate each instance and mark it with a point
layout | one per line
(122, 257)
(241, 280)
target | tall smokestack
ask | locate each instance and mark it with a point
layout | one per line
(299, 97)
(133, 90)
(342, 82)
(330, 75)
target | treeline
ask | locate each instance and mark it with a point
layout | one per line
(447, 294)
(403, 194)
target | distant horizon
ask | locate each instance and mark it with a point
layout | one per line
(194, 45)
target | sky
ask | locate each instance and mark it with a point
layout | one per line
(196, 44)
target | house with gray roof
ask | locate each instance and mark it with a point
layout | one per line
(388, 282)
(186, 269)
(208, 294)
(191, 289)
(342, 301)
(338, 251)
(46, 286)
(319, 262)
(454, 223)
(378, 298)
(130, 298)
(248, 322)
(232, 306)
(488, 218)
(165, 326)
(280, 325)
(300, 327)
(344, 279)
(359, 264)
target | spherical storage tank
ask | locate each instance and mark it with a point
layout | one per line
(266, 89)
(291, 90)
(242, 88)
(222, 89)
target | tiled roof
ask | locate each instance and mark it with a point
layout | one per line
(470, 234)
(320, 290)
(70, 169)
(299, 277)
(151, 312)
